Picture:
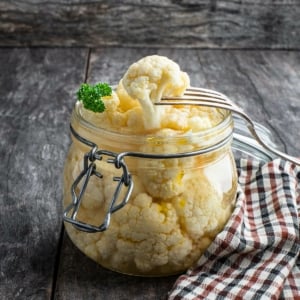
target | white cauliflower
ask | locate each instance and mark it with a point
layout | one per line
(150, 79)
(161, 181)
(177, 206)
(196, 208)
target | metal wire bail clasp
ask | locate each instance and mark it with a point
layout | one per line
(80, 184)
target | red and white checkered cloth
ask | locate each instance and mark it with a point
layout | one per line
(256, 256)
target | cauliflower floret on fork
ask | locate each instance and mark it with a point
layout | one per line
(152, 78)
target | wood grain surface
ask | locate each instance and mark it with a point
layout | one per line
(37, 93)
(166, 23)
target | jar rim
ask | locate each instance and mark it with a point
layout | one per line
(140, 138)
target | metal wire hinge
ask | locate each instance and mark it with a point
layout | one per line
(80, 184)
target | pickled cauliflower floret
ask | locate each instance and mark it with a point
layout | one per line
(150, 79)
(177, 205)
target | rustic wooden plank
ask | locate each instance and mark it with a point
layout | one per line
(276, 80)
(165, 23)
(81, 278)
(36, 90)
(254, 79)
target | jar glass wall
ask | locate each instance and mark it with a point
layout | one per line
(176, 207)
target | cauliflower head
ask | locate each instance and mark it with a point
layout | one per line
(150, 79)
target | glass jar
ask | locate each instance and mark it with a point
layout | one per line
(147, 205)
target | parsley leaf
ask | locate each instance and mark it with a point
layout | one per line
(91, 96)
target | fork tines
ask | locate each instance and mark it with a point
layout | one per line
(199, 96)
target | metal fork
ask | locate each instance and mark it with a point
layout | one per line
(211, 98)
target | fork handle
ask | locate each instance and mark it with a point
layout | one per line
(251, 126)
(292, 159)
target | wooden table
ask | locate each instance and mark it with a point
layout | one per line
(37, 93)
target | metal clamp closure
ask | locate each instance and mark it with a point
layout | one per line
(89, 170)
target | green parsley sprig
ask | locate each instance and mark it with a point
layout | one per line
(91, 95)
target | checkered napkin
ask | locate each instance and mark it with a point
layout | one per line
(256, 256)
